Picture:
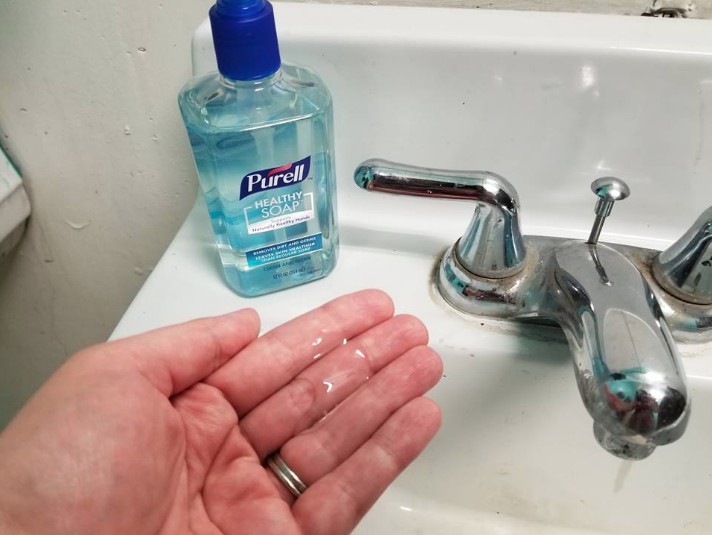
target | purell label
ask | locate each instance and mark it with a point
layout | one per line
(277, 177)
(279, 212)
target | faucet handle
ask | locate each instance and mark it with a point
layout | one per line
(685, 268)
(492, 246)
(609, 189)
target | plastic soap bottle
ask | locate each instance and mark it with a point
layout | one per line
(262, 138)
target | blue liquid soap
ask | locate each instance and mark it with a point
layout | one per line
(262, 137)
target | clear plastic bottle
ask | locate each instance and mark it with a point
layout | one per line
(262, 138)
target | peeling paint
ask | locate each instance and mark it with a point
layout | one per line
(77, 226)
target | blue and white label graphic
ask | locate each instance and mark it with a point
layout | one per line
(278, 212)
(281, 251)
(275, 177)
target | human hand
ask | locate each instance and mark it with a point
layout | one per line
(167, 432)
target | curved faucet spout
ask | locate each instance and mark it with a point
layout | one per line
(626, 363)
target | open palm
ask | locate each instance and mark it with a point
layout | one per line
(168, 432)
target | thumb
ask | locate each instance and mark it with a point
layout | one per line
(176, 357)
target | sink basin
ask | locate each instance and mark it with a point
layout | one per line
(551, 102)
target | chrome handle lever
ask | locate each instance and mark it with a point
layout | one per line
(492, 246)
(685, 268)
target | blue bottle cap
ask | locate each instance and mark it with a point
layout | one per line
(245, 39)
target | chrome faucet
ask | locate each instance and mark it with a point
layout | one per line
(619, 306)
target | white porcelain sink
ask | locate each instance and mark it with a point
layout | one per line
(551, 102)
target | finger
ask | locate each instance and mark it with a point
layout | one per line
(336, 503)
(176, 357)
(322, 448)
(326, 383)
(278, 356)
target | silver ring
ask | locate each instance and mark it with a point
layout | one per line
(285, 474)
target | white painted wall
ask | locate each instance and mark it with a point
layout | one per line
(88, 113)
